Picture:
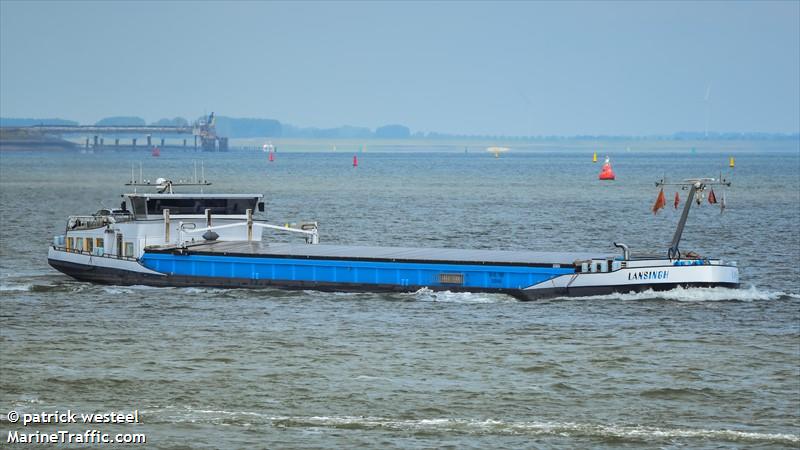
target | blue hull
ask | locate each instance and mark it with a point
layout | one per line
(382, 275)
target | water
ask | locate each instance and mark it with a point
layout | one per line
(698, 368)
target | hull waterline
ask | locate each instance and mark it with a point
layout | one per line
(131, 272)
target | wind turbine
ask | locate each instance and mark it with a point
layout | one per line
(707, 104)
(528, 110)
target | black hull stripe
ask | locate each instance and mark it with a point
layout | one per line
(585, 291)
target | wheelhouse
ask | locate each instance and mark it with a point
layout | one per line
(153, 205)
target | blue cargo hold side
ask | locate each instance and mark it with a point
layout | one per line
(350, 271)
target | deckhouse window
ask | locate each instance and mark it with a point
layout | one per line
(139, 206)
(156, 206)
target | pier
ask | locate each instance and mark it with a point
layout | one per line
(145, 137)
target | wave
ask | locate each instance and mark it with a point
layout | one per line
(29, 287)
(373, 378)
(699, 294)
(128, 289)
(68, 287)
(18, 287)
(634, 433)
(198, 290)
(428, 295)
(116, 290)
(676, 393)
(716, 294)
(481, 427)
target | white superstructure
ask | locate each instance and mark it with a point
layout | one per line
(165, 219)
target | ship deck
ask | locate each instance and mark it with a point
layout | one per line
(385, 254)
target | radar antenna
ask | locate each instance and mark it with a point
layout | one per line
(164, 185)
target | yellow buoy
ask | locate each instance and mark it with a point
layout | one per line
(732, 163)
(594, 157)
(497, 150)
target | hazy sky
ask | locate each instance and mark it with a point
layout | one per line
(476, 68)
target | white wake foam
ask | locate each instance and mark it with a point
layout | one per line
(489, 427)
(468, 426)
(202, 290)
(18, 287)
(715, 294)
(428, 295)
(116, 290)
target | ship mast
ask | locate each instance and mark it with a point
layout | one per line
(696, 187)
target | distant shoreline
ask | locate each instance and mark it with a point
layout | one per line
(374, 145)
(264, 129)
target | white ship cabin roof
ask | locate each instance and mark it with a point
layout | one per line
(152, 205)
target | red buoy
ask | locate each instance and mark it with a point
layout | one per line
(156, 152)
(607, 173)
(271, 157)
(355, 160)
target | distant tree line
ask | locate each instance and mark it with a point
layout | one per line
(176, 122)
(251, 127)
(233, 127)
(14, 122)
(393, 132)
(132, 121)
(121, 121)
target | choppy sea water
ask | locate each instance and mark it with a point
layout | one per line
(697, 368)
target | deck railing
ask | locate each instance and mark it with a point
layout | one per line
(93, 253)
(309, 229)
(93, 222)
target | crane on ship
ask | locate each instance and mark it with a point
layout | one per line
(206, 129)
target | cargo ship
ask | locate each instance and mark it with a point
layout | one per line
(164, 238)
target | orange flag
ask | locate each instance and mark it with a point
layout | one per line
(677, 200)
(711, 197)
(661, 201)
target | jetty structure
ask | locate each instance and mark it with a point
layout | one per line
(120, 137)
(160, 237)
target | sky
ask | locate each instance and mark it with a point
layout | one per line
(481, 68)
